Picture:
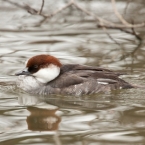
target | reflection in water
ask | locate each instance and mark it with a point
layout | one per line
(28, 100)
(92, 103)
(42, 119)
(90, 120)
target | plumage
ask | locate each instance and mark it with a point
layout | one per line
(72, 79)
(82, 77)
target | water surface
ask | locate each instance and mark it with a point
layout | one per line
(103, 119)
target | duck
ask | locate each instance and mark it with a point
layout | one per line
(44, 74)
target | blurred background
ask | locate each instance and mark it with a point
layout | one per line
(104, 33)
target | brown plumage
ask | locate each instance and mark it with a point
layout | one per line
(35, 63)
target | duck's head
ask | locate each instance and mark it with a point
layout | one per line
(43, 67)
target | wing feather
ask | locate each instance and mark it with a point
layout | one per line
(79, 74)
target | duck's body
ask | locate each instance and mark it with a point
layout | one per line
(52, 77)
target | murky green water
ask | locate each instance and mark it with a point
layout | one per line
(102, 119)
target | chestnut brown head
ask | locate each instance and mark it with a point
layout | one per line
(44, 67)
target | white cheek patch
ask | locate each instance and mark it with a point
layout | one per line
(45, 75)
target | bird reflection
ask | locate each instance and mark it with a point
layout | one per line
(42, 119)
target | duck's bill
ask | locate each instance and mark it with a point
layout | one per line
(23, 72)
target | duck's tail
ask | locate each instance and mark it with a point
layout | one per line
(138, 86)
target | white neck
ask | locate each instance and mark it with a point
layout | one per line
(45, 75)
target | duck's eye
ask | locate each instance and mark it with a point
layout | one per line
(33, 69)
(35, 66)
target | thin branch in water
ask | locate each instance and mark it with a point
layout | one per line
(127, 5)
(139, 39)
(27, 8)
(101, 22)
(137, 47)
(104, 28)
(118, 14)
(61, 9)
(16, 4)
(57, 11)
(41, 7)
(99, 19)
(105, 23)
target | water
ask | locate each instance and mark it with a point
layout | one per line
(102, 119)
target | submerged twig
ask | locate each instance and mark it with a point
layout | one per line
(136, 48)
(118, 14)
(101, 22)
(41, 7)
